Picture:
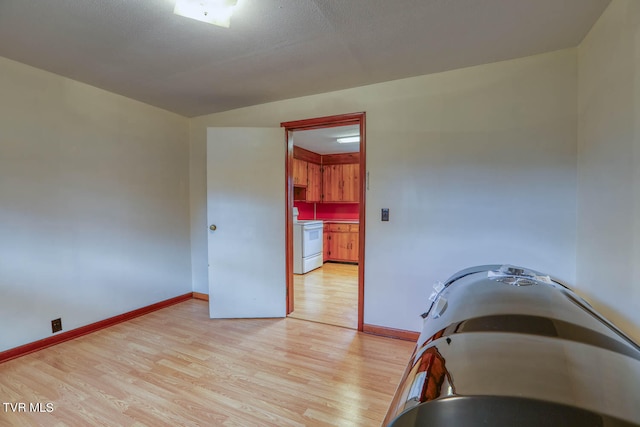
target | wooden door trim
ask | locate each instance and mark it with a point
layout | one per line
(319, 123)
(325, 122)
(289, 219)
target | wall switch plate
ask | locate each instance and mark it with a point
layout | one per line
(385, 214)
(56, 325)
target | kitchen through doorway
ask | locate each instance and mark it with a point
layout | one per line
(326, 203)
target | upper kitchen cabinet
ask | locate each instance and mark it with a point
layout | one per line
(340, 183)
(314, 182)
(300, 172)
(331, 183)
(327, 177)
(351, 182)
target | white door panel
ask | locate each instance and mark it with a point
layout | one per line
(246, 203)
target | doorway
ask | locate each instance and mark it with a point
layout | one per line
(326, 184)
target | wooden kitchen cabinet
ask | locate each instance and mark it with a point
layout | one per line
(307, 175)
(341, 242)
(331, 182)
(354, 240)
(341, 247)
(326, 248)
(314, 182)
(299, 172)
(340, 183)
(350, 182)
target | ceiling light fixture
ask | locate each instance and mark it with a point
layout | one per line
(348, 139)
(216, 12)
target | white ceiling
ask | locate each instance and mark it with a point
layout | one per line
(277, 49)
(324, 141)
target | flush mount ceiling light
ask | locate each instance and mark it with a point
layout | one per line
(216, 12)
(348, 139)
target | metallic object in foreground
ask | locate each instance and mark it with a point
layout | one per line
(507, 346)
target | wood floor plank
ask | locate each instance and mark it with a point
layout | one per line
(177, 367)
(328, 295)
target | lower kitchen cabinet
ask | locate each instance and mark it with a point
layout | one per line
(341, 242)
(325, 245)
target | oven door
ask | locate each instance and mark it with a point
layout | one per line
(311, 240)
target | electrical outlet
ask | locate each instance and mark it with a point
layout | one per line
(56, 325)
(385, 214)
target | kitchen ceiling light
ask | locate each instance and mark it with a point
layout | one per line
(216, 12)
(348, 139)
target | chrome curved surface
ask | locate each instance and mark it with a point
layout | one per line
(537, 342)
(497, 411)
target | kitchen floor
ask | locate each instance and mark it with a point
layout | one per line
(328, 295)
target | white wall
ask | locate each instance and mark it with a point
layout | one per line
(608, 254)
(94, 218)
(477, 166)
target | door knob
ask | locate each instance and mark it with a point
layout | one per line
(212, 227)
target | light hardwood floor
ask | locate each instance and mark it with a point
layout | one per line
(177, 367)
(328, 295)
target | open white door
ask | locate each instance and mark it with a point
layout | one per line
(246, 204)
